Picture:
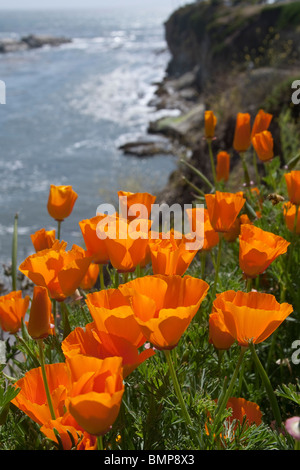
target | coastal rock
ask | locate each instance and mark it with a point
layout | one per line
(148, 148)
(30, 42)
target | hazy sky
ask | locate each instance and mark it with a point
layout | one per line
(42, 4)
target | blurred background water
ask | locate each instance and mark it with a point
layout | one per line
(67, 110)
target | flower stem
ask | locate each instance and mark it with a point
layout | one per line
(184, 410)
(100, 442)
(217, 267)
(42, 362)
(58, 229)
(268, 386)
(256, 168)
(249, 284)
(221, 406)
(246, 173)
(212, 161)
(101, 277)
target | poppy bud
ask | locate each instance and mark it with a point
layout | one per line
(242, 134)
(293, 186)
(263, 145)
(39, 325)
(261, 122)
(223, 166)
(210, 122)
(61, 201)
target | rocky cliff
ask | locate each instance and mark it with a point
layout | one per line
(228, 59)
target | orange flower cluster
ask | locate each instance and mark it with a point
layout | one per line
(149, 311)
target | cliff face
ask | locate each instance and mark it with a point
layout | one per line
(230, 60)
(215, 38)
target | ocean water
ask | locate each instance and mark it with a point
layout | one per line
(67, 110)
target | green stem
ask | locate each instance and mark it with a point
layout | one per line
(249, 284)
(217, 266)
(58, 229)
(100, 443)
(101, 277)
(222, 404)
(199, 173)
(42, 362)
(256, 168)
(203, 262)
(246, 173)
(212, 161)
(293, 240)
(267, 385)
(14, 254)
(184, 410)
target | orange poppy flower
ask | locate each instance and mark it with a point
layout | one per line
(95, 247)
(112, 313)
(258, 249)
(210, 122)
(66, 426)
(134, 205)
(223, 209)
(218, 333)
(32, 399)
(289, 213)
(211, 237)
(90, 277)
(164, 306)
(97, 388)
(40, 317)
(293, 186)
(43, 239)
(59, 270)
(242, 134)
(13, 309)
(86, 388)
(171, 255)
(263, 145)
(261, 122)
(242, 408)
(235, 230)
(223, 166)
(251, 316)
(61, 201)
(126, 241)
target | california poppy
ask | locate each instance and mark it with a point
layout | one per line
(261, 122)
(218, 333)
(223, 209)
(126, 241)
(97, 388)
(164, 306)
(289, 213)
(70, 434)
(293, 186)
(258, 249)
(202, 228)
(39, 324)
(95, 246)
(43, 239)
(250, 316)
(90, 277)
(59, 270)
(32, 399)
(223, 166)
(242, 133)
(171, 255)
(134, 205)
(263, 145)
(210, 122)
(86, 393)
(61, 201)
(13, 309)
